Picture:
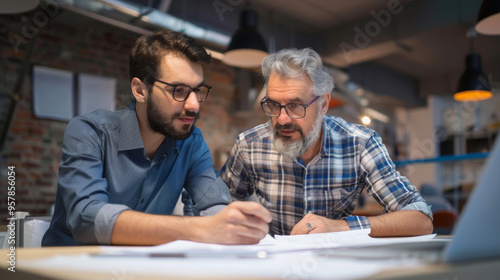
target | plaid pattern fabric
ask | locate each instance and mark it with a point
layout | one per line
(352, 158)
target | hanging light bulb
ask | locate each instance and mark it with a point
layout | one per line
(366, 120)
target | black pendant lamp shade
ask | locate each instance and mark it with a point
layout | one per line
(488, 21)
(247, 48)
(473, 85)
(17, 6)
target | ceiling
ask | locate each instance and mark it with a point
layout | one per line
(387, 52)
(421, 38)
(421, 42)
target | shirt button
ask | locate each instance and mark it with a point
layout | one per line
(164, 155)
(142, 200)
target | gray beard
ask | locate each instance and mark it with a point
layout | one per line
(295, 149)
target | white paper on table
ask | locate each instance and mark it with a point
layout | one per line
(353, 238)
(269, 245)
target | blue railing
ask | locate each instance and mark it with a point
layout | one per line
(442, 159)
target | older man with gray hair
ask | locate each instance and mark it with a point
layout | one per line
(309, 169)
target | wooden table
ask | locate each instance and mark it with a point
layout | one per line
(489, 269)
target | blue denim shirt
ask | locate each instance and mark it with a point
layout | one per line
(104, 170)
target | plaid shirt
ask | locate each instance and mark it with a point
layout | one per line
(352, 158)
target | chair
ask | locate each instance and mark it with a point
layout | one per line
(444, 220)
(29, 230)
(34, 229)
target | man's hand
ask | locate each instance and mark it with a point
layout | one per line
(241, 222)
(319, 224)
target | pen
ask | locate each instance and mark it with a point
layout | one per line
(193, 254)
(212, 254)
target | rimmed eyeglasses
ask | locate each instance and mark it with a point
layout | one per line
(293, 110)
(181, 92)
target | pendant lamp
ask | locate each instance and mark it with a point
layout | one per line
(473, 85)
(247, 48)
(488, 21)
(18, 6)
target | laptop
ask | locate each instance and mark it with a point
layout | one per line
(475, 234)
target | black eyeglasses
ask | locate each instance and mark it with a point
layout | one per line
(181, 92)
(293, 110)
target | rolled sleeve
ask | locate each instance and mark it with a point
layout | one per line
(105, 221)
(213, 210)
(391, 190)
(420, 206)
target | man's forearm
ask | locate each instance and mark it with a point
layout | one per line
(238, 223)
(400, 223)
(137, 228)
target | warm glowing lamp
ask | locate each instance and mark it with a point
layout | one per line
(473, 85)
(366, 120)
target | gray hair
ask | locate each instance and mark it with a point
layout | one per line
(293, 63)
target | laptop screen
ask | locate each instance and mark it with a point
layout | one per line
(476, 233)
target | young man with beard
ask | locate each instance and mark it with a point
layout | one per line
(122, 172)
(309, 169)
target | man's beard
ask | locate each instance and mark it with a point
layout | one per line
(163, 124)
(295, 149)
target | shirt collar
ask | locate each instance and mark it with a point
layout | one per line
(335, 131)
(130, 135)
(324, 147)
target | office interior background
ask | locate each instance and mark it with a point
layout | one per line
(396, 62)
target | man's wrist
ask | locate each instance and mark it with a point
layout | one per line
(345, 225)
(357, 222)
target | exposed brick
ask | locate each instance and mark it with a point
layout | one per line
(20, 192)
(32, 164)
(24, 114)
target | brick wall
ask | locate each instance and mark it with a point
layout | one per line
(33, 145)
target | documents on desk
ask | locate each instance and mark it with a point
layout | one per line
(267, 246)
(280, 257)
(352, 238)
